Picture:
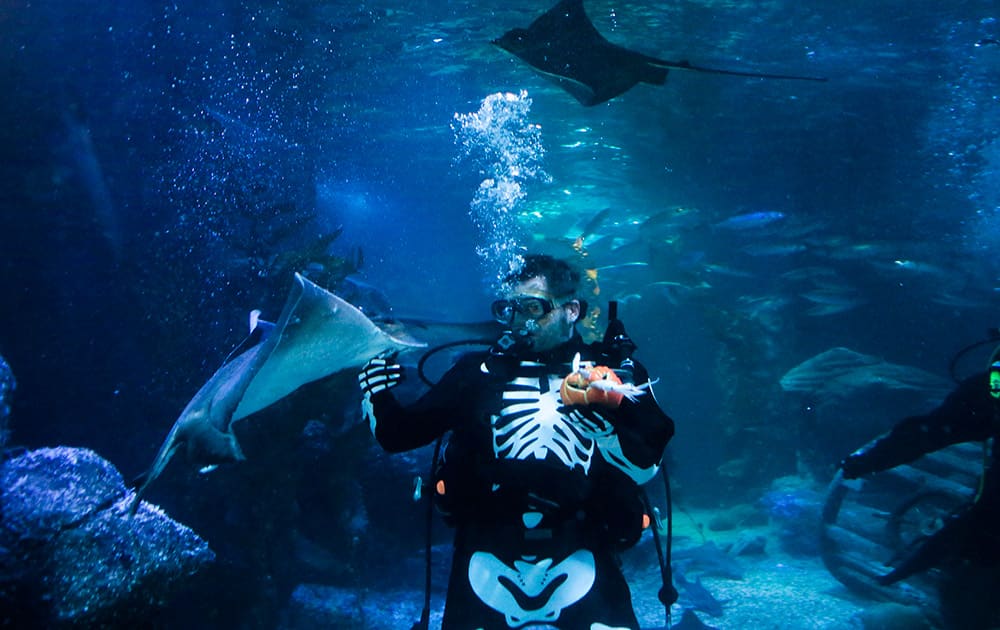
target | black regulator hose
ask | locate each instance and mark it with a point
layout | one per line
(424, 622)
(992, 336)
(451, 344)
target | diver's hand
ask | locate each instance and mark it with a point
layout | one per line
(589, 385)
(380, 374)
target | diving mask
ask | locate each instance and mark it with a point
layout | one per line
(531, 307)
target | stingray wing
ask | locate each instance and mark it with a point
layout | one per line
(319, 334)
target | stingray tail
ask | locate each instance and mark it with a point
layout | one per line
(686, 65)
(163, 456)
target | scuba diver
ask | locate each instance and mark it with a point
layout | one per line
(549, 439)
(967, 544)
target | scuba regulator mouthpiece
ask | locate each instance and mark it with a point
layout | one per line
(515, 341)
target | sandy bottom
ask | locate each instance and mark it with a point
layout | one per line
(778, 590)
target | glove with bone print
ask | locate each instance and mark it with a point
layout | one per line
(380, 374)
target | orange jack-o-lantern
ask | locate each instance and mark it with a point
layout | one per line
(597, 386)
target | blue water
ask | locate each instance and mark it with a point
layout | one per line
(155, 155)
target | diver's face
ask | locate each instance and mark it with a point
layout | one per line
(547, 320)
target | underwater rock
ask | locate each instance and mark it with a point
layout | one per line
(70, 555)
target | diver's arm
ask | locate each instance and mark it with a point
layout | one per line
(965, 415)
(641, 433)
(400, 428)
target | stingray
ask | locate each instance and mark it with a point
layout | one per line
(564, 47)
(317, 334)
(841, 372)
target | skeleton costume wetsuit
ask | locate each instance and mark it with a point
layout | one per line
(542, 495)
